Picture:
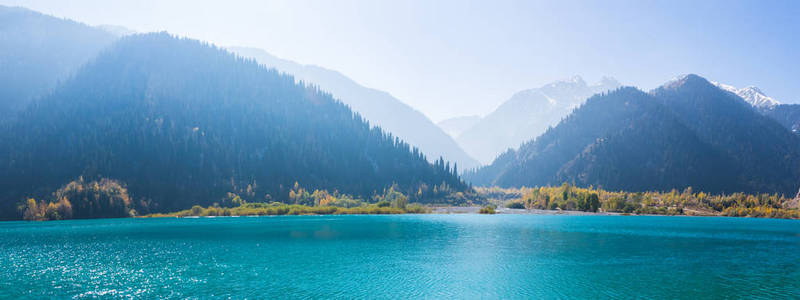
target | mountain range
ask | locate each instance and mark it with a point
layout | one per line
(526, 115)
(39, 51)
(379, 107)
(686, 133)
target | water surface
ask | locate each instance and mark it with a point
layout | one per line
(407, 256)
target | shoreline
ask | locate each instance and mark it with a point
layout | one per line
(453, 210)
(444, 210)
(474, 210)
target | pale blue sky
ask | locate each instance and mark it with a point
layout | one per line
(452, 58)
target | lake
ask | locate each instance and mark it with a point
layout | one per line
(405, 256)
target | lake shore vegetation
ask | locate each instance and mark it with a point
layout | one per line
(687, 202)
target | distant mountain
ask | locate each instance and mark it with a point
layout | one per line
(378, 107)
(787, 115)
(685, 133)
(751, 95)
(527, 115)
(455, 126)
(36, 51)
(180, 123)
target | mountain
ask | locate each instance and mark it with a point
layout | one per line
(685, 133)
(527, 115)
(751, 95)
(766, 152)
(787, 115)
(36, 51)
(378, 107)
(455, 126)
(180, 123)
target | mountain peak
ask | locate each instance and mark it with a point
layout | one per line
(576, 79)
(751, 94)
(684, 80)
(754, 89)
(567, 83)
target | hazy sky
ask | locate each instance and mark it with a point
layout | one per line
(452, 58)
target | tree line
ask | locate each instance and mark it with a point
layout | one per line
(674, 202)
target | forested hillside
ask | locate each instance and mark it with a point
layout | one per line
(178, 122)
(36, 51)
(767, 154)
(787, 115)
(379, 107)
(686, 133)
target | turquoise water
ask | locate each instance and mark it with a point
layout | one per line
(409, 256)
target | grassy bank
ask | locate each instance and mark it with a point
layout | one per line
(687, 202)
(279, 209)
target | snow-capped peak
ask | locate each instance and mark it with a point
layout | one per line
(567, 83)
(750, 94)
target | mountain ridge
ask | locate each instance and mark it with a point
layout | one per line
(380, 107)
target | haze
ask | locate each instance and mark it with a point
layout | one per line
(455, 58)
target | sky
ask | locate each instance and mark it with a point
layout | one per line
(455, 58)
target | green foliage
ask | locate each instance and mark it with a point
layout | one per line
(321, 203)
(515, 205)
(489, 209)
(416, 208)
(393, 197)
(263, 209)
(231, 200)
(565, 197)
(345, 201)
(686, 202)
(79, 199)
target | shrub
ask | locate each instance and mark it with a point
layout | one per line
(515, 205)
